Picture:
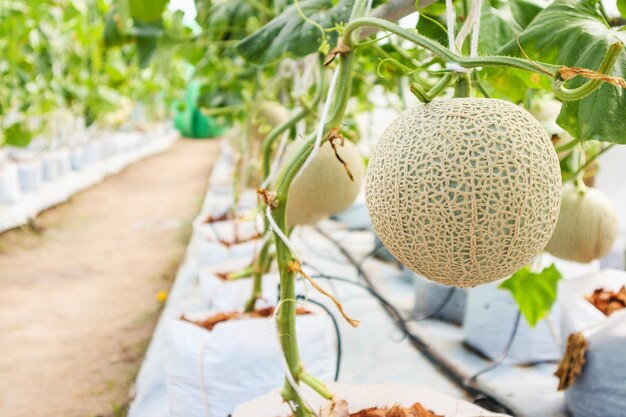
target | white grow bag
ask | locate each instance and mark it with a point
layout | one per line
(214, 242)
(223, 295)
(211, 372)
(30, 175)
(76, 158)
(9, 183)
(361, 397)
(210, 252)
(245, 226)
(600, 391)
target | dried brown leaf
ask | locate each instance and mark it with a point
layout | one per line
(608, 301)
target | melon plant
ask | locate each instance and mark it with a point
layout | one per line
(464, 191)
(267, 116)
(587, 226)
(324, 187)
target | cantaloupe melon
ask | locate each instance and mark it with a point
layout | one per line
(587, 226)
(266, 117)
(323, 187)
(464, 191)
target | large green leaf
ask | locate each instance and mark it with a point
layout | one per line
(228, 20)
(291, 34)
(147, 11)
(524, 11)
(574, 33)
(497, 27)
(534, 293)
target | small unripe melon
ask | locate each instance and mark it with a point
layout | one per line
(266, 117)
(464, 191)
(587, 226)
(323, 188)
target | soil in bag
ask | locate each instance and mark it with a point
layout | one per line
(210, 322)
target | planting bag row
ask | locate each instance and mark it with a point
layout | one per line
(211, 372)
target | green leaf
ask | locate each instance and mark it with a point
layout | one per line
(147, 11)
(621, 6)
(113, 35)
(291, 34)
(228, 19)
(17, 135)
(146, 46)
(497, 26)
(534, 293)
(524, 11)
(574, 33)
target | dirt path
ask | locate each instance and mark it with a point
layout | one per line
(78, 291)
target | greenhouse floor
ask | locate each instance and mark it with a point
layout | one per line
(75, 323)
(376, 352)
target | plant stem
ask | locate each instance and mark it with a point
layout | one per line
(287, 312)
(428, 96)
(257, 276)
(443, 52)
(316, 385)
(569, 145)
(462, 87)
(244, 273)
(586, 164)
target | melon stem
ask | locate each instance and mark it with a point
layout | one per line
(258, 268)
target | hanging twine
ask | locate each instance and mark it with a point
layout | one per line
(472, 23)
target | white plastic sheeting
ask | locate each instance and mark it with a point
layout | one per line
(490, 321)
(436, 300)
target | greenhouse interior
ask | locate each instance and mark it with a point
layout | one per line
(312, 208)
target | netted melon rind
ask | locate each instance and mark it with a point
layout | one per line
(464, 191)
(587, 226)
(323, 188)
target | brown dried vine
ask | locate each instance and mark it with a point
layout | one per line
(333, 136)
(567, 73)
(340, 49)
(268, 197)
(294, 266)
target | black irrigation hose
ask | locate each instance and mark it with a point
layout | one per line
(438, 310)
(440, 362)
(503, 355)
(337, 332)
